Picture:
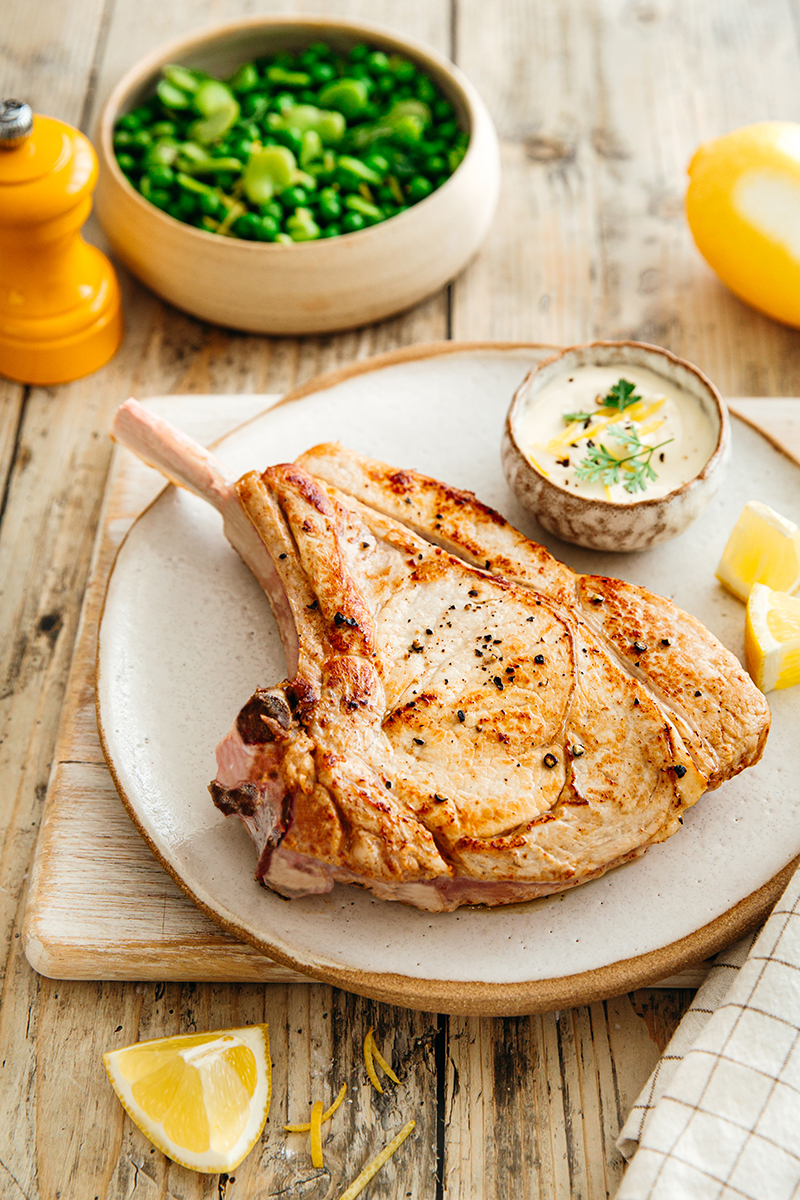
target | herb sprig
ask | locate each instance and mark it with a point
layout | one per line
(634, 470)
(620, 396)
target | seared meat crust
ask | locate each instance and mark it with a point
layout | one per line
(471, 727)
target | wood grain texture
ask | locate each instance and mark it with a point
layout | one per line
(589, 241)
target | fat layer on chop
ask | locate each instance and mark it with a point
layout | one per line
(466, 720)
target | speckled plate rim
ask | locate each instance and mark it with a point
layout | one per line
(472, 998)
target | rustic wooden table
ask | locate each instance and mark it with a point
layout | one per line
(599, 104)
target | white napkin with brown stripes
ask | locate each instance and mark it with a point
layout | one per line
(720, 1116)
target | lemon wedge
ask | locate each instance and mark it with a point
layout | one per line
(743, 207)
(772, 638)
(202, 1098)
(763, 548)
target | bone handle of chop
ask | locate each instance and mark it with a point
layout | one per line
(189, 465)
(184, 461)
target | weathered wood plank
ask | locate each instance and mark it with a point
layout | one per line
(600, 106)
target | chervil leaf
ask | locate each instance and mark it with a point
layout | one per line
(578, 416)
(621, 396)
(634, 470)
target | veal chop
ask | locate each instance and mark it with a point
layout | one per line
(465, 720)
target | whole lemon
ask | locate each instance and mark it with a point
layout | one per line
(743, 206)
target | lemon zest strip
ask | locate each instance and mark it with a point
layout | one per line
(538, 466)
(326, 1116)
(316, 1134)
(372, 1168)
(382, 1063)
(369, 1064)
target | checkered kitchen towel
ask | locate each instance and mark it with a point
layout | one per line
(720, 1116)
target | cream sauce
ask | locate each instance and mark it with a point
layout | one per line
(664, 414)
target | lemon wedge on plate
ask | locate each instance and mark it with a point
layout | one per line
(764, 547)
(772, 638)
(202, 1098)
(743, 207)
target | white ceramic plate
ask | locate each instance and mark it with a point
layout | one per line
(187, 635)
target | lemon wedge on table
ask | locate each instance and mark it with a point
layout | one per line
(743, 207)
(201, 1098)
(764, 547)
(772, 638)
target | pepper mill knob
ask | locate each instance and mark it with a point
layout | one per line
(16, 123)
(60, 313)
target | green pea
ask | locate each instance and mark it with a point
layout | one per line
(378, 163)
(293, 197)
(447, 130)
(273, 209)
(245, 78)
(330, 206)
(425, 89)
(385, 83)
(359, 52)
(419, 188)
(332, 231)
(352, 222)
(129, 122)
(240, 147)
(292, 139)
(442, 110)
(127, 163)
(161, 176)
(347, 96)
(212, 205)
(454, 158)
(122, 137)
(403, 70)
(163, 129)
(322, 72)
(378, 62)
(254, 104)
(267, 229)
(320, 49)
(160, 197)
(144, 113)
(437, 165)
(185, 206)
(141, 139)
(284, 239)
(302, 227)
(246, 225)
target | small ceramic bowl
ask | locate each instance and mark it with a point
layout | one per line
(310, 287)
(602, 524)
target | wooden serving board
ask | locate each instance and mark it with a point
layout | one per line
(99, 905)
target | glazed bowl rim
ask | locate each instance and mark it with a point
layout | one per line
(172, 50)
(712, 462)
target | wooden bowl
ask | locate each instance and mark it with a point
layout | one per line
(309, 287)
(605, 524)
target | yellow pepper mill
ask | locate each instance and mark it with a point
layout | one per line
(60, 313)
